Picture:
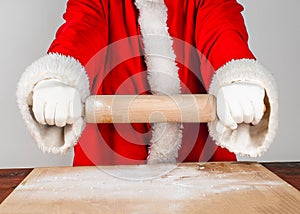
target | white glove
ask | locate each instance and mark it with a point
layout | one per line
(239, 103)
(55, 103)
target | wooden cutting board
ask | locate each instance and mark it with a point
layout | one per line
(185, 188)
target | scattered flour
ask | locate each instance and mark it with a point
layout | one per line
(164, 182)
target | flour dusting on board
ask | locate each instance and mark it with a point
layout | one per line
(186, 188)
(180, 183)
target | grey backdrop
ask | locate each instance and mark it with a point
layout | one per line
(27, 28)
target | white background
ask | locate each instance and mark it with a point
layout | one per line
(28, 27)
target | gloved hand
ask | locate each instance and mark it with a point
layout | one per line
(239, 103)
(55, 103)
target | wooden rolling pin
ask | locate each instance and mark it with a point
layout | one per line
(191, 108)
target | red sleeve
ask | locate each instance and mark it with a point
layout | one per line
(221, 35)
(85, 31)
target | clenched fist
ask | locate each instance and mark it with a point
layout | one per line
(239, 103)
(55, 103)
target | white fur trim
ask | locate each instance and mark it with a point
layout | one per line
(247, 140)
(69, 71)
(163, 76)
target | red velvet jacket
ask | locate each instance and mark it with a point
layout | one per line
(93, 27)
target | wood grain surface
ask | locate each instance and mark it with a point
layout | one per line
(288, 171)
(10, 179)
(186, 188)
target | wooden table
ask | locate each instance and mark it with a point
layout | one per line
(11, 178)
(289, 172)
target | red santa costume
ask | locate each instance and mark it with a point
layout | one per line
(105, 46)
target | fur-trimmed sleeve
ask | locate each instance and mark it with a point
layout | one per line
(221, 37)
(247, 139)
(70, 72)
(78, 40)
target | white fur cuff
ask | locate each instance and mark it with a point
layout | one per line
(248, 140)
(69, 71)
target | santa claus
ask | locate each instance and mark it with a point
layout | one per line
(150, 47)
